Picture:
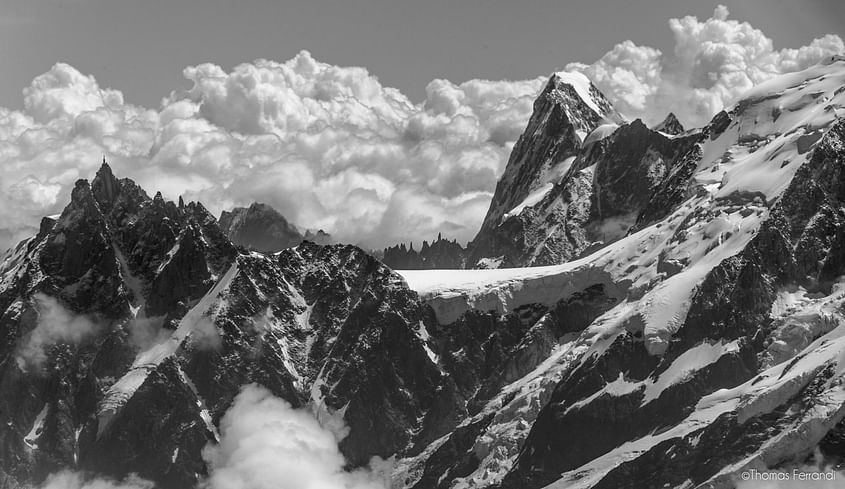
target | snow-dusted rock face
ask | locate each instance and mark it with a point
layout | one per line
(568, 109)
(578, 179)
(259, 227)
(160, 320)
(78, 301)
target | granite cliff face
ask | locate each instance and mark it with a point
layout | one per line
(691, 309)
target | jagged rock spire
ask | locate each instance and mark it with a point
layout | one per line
(105, 187)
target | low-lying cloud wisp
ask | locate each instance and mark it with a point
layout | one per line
(54, 324)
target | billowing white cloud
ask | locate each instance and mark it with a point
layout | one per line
(266, 444)
(328, 146)
(714, 61)
(55, 324)
(332, 148)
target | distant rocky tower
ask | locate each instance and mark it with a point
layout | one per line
(259, 227)
(670, 125)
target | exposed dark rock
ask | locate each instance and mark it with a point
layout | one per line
(611, 185)
(440, 254)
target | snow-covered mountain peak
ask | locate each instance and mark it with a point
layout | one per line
(578, 185)
(587, 93)
(568, 114)
(719, 311)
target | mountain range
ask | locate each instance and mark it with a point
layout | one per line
(641, 308)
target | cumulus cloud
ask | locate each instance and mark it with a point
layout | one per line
(68, 479)
(266, 444)
(55, 324)
(713, 62)
(330, 147)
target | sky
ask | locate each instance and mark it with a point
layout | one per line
(406, 43)
(377, 120)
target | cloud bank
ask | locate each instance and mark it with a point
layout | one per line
(714, 61)
(327, 146)
(332, 148)
(266, 444)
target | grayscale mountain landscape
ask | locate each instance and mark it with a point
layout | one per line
(624, 274)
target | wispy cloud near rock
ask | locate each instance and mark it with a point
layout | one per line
(55, 324)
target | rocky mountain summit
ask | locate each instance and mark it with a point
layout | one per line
(262, 228)
(579, 178)
(670, 125)
(259, 227)
(686, 324)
